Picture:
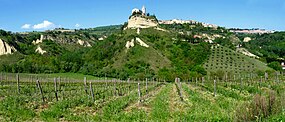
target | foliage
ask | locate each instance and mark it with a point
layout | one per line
(171, 54)
(269, 46)
(225, 42)
(260, 107)
(275, 65)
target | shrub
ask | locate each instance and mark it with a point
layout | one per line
(218, 74)
(275, 65)
(260, 108)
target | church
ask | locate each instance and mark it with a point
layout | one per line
(141, 19)
(141, 12)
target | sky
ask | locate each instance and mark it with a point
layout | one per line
(39, 15)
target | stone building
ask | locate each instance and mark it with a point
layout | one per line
(140, 19)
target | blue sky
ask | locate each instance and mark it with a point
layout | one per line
(28, 15)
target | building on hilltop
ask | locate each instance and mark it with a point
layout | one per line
(178, 21)
(251, 31)
(61, 30)
(136, 11)
(143, 11)
(140, 12)
(283, 65)
(141, 19)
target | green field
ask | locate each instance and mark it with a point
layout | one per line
(114, 100)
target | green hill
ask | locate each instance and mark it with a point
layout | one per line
(163, 56)
(178, 50)
(270, 47)
(231, 62)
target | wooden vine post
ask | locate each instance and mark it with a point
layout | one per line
(277, 78)
(59, 83)
(265, 76)
(260, 81)
(129, 86)
(146, 85)
(91, 91)
(115, 89)
(196, 81)
(18, 83)
(85, 85)
(41, 90)
(179, 87)
(189, 81)
(55, 89)
(215, 89)
(139, 92)
(156, 81)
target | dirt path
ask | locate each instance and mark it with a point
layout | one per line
(79, 110)
(175, 101)
(146, 99)
(92, 110)
(178, 108)
(207, 94)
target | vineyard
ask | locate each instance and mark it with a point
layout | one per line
(27, 97)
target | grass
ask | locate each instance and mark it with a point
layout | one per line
(203, 109)
(160, 111)
(161, 103)
(14, 109)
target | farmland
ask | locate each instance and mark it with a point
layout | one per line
(27, 97)
(231, 62)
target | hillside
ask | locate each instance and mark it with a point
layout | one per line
(165, 51)
(226, 61)
(269, 46)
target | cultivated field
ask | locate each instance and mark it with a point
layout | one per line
(27, 97)
(227, 60)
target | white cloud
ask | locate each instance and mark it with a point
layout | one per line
(44, 25)
(77, 25)
(26, 26)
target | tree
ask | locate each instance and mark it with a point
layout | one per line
(275, 65)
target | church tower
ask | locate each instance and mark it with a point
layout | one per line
(143, 10)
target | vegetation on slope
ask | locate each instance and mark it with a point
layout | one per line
(269, 47)
(226, 61)
(173, 52)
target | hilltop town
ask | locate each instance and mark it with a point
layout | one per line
(141, 19)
